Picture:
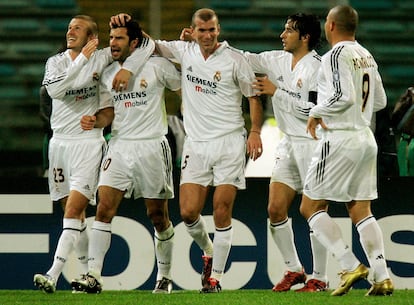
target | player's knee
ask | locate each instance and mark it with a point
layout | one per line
(159, 219)
(276, 213)
(105, 211)
(188, 216)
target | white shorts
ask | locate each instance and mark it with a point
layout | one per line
(343, 167)
(139, 167)
(215, 162)
(292, 159)
(74, 165)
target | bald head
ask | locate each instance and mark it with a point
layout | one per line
(345, 18)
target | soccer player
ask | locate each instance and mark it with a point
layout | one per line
(291, 82)
(344, 167)
(138, 160)
(214, 78)
(71, 79)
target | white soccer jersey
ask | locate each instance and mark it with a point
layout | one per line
(73, 86)
(140, 109)
(296, 89)
(212, 88)
(350, 87)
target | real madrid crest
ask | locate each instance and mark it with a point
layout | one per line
(299, 83)
(143, 84)
(217, 76)
(95, 76)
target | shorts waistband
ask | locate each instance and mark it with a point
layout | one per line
(77, 136)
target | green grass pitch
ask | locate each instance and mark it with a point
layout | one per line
(181, 297)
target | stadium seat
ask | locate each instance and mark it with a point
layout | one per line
(281, 4)
(397, 52)
(35, 70)
(240, 25)
(405, 5)
(255, 47)
(6, 70)
(35, 92)
(56, 3)
(277, 26)
(377, 26)
(12, 92)
(20, 25)
(3, 48)
(400, 71)
(315, 6)
(234, 4)
(372, 5)
(14, 4)
(40, 48)
(57, 25)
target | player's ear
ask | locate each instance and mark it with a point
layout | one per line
(134, 43)
(92, 37)
(331, 25)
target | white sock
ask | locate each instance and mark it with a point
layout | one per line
(67, 241)
(282, 234)
(81, 248)
(221, 245)
(98, 245)
(329, 234)
(198, 231)
(320, 259)
(164, 242)
(371, 239)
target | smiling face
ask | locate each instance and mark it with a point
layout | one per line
(78, 34)
(206, 34)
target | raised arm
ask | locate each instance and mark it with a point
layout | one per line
(58, 77)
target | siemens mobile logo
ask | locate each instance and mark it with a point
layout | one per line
(129, 104)
(131, 99)
(83, 93)
(129, 96)
(202, 85)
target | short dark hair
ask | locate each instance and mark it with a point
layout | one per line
(346, 18)
(307, 24)
(134, 30)
(204, 14)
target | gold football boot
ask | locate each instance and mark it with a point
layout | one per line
(382, 288)
(348, 278)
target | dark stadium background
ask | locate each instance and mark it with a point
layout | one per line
(33, 30)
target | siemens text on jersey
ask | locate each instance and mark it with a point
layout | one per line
(83, 93)
(200, 81)
(204, 82)
(128, 96)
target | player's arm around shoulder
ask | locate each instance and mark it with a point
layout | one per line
(166, 72)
